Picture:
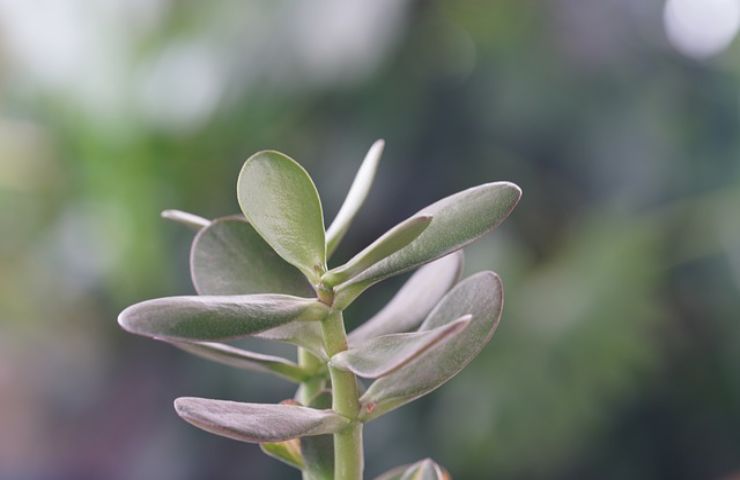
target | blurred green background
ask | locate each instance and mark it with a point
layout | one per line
(618, 355)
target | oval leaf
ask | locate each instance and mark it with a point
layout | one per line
(355, 197)
(280, 200)
(244, 359)
(458, 220)
(413, 302)
(256, 422)
(481, 296)
(216, 317)
(303, 334)
(381, 356)
(393, 240)
(188, 219)
(229, 257)
(425, 469)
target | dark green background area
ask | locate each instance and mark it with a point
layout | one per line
(618, 355)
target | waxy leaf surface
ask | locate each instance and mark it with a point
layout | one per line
(457, 220)
(216, 317)
(256, 422)
(280, 200)
(413, 302)
(244, 359)
(355, 197)
(480, 296)
(389, 243)
(229, 257)
(381, 356)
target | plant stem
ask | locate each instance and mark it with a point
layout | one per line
(348, 455)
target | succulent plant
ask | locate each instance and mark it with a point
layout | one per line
(265, 274)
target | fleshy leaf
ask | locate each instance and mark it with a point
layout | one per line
(318, 450)
(288, 452)
(355, 197)
(413, 302)
(303, 334)
(188, 219)
(481, 296)
(458, 220)
(244, 359)
(381, 356)
(228, 257)
(281, 202)
(393, 240)
(216, 317)
(256, 422)
(425, 469)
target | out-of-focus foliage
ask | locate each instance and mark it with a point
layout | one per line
(617, 356)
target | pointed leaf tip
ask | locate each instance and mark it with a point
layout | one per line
(281, 202)
(355, 197)
(255, 422)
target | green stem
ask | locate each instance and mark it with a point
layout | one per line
(348, 455)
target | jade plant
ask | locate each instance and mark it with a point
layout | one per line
(265, 274)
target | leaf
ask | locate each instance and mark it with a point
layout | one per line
(381, 356)
(228, 257)
(355, 197)
(216, 317)
(458, 220)
(481, 296)
(188, 219)
(413, 302)
(393, 240)
(244, 359)
(303, 334)
(288, 452)
(280, 200)
(318, 450)
(256, 422)
(425, 469)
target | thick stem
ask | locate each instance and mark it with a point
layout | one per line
(348, 455)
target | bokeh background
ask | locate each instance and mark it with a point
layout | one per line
(619, 352)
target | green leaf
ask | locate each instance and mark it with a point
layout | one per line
(244, 359)
(216, 317)
(413, 302)
(280, 200)
(355, 197)
(425, 469)
(288, 452)
(318, 450)
(390, 242)
(458, 220)
(381, 356)
(228, 257)
(303, 334)
(256, 422)
(481, 296)
(188, 219)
